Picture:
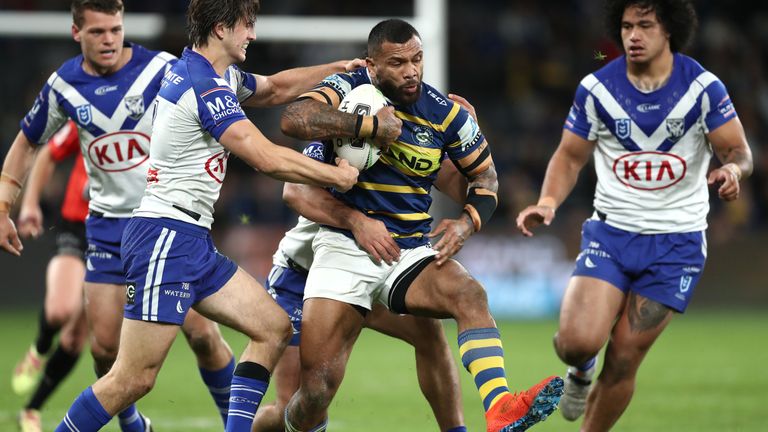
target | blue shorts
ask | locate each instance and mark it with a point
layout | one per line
(170, 265)
(102, 258)
(286, 286)
(662, 267)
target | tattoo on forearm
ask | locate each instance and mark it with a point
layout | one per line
(645, 314)
(486, 179)
(309, 119)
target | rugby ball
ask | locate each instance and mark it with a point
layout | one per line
(361, 153)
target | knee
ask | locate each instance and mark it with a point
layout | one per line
(59, 315)
(104, 347)
(574, 350)
(137, 385)
(205, 342)
(469, 297)
(280, 331)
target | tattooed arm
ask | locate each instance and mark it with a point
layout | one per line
(310, 119)
(731, 148)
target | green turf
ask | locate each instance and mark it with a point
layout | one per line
(706, 373)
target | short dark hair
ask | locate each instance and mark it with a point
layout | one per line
(678, 17)
(203, 15)
(78, 8)
(391, 30)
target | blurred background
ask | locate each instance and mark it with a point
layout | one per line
(518, 62)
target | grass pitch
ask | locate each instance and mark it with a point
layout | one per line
(707, 372)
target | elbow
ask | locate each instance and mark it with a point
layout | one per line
(290, 195)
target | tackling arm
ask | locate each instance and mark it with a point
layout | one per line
(731, 148)
(562, 173)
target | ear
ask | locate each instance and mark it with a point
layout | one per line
(219, 30)
(75, 33)
(371, 66)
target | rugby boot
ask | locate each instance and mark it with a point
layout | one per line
(29, 421)
(574, 400)
(519, 411)
(27, 372)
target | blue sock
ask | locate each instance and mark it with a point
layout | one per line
(130, 420)
(218, 384)
(249, 383)
(86, 414)
(458, 429)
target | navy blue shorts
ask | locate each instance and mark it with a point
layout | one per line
(170, 265)
(286, 286)
(102, 258)
(662, 267)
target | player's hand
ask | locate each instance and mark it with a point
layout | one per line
(9, 238)
(389, 127)
(454, 233)
(372, 235)
(464, 104)
(30, 220)
(355, 63)
(729, 183)
(347, 175)
(534, 216)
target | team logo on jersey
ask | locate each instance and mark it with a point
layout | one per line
(675, 128)
(649, 170)
(216, 166)
(119, 151)
(130, 293)
(84, 116)
(623, 128)
(135, 106)
(685, 283)
(422, 134)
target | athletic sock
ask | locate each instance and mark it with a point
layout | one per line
(57, 368)
(458, 429)
(86, 414)
(131, 420)
(45, 334)
(584, 371)
(482, 355)
(218, 383)
(322, 427)
(249, 383)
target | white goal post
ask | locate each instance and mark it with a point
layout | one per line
(430, 19)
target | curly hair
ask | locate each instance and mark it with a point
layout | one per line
(678, 18)
(203, 15)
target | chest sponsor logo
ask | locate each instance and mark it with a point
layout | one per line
(84, 116)
(623, 128)
(101, 91)
(135, 106)
(648, 107)
(675, 129)
(216, 166)
(649, 170)
(119, 151)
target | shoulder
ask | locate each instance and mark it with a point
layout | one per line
(694, 73)
(344, 82)
(69, 69)
(438, 109)
(612, 70)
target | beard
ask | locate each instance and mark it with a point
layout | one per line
(397, 94)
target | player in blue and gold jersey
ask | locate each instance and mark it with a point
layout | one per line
(417, 132)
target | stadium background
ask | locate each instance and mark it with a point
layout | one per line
(518, 63)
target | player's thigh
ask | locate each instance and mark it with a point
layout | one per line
(104, 311)
(640, 324)
(588, 311)
(64, 286)
(144, 347)
(243, 304)
(444, 292)
(409, 328)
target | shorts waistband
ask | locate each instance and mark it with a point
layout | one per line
(293, 265)
(177, 225)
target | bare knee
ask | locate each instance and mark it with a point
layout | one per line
(279, 331)
(135, 386)
(206, 341)
(60, 314)
(573, 349)
(104, 349)
(468, 298)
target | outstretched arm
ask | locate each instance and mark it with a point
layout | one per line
(30, 215)
(731, 148)
(15, 169)
(319, 205)
(562, 172)
(287, 85)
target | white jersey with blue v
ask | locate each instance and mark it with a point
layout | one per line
(652, 150)
(112, 120)
(187, 163)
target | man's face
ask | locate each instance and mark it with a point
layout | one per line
(397, 69)
(101, 40)
(236, 40)
(643, 35)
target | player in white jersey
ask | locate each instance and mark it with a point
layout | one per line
(437, 374)
(170, 262)
(652, 119)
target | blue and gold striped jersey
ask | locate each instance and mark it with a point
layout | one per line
(396, 189)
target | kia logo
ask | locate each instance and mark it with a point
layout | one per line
(119, 151)
(649, 170)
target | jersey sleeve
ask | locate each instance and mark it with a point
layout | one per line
(332, 89)
(245, 83)
(467, 146)
(218, 106)
(582, 118)
(319, 151)
(46, 115)
(65, 142)
(720, 109)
